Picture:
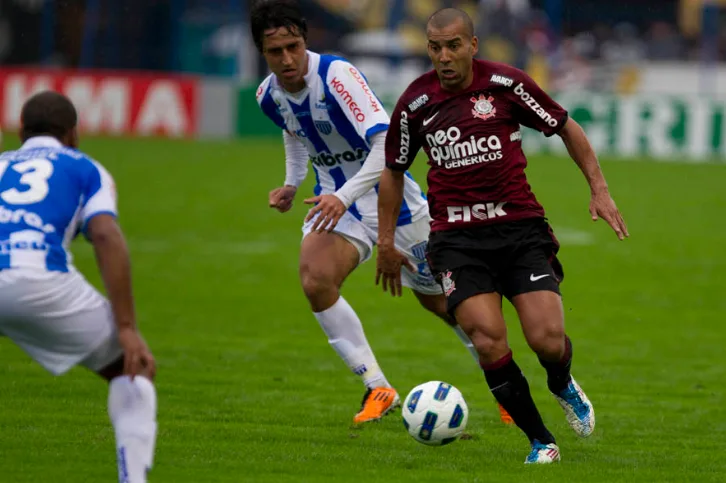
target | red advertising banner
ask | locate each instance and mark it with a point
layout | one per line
(112, 103)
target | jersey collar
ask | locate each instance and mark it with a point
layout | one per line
(41, 142)
(313, 64)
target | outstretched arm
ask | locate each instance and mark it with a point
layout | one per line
(390, 260)
(114, 263)
(390, 197)
(333, 207)
(601, 203)
(369, 174)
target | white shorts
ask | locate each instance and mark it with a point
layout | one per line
(59, 319)
(411, 240)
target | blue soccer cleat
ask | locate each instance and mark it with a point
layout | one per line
(543, 454)
(578, 409)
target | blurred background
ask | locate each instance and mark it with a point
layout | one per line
(639, 71)
(249, 388)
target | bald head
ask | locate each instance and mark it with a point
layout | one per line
(447, 17)
(452, 47)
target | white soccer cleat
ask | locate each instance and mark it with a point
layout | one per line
(543, 454)
(578, 409)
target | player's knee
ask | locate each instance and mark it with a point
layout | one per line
(436, 304)
(548, 340)
(315, 282)
(490, 347)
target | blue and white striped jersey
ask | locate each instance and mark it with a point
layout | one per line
(48, 193)
(335, 117)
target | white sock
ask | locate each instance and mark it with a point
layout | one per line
(345, 333)
(132, 409)
(467, 342)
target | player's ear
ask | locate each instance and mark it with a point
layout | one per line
(73, 138)
(474, 45)
(21, 132)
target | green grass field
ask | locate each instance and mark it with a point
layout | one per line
(250, 390)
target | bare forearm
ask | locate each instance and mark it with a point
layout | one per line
(390, 196)
(113, 261)
(580, 150)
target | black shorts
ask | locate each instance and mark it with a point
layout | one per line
(509, 258)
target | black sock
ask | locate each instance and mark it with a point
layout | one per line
(558, 372)
(511, 390)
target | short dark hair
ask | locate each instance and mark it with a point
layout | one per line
(274, 14)
(446, 16)
(48, 113)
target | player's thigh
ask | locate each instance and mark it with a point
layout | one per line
(333, 256)
(543, 320)
(59, 320)
(533, 285)
(412, 241)
(462, 274)
(481, 318)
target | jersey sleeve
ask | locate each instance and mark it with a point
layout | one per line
(296, 160)
(99, 195)
(360, 105)
(402, 143)
(535, 108)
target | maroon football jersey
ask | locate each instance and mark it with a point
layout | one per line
(474, 143)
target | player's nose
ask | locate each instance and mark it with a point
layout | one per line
(286, 58)
(445, 56)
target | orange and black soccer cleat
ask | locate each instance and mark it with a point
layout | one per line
(377, 403)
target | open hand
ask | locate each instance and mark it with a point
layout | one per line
(603, 206)
(331, 209)
(388, 268)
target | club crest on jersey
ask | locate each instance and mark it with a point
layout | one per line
(447, 284)
(324, 127)
(483, 107)
(419, 250)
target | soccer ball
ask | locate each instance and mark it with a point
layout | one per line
(435, 413)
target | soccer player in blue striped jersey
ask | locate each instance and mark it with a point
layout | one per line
(49, 193)
(331, 117)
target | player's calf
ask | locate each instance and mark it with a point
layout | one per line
(511, 390)
(578, 409)
(437, 305)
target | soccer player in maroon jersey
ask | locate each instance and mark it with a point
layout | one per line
(490, 238)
